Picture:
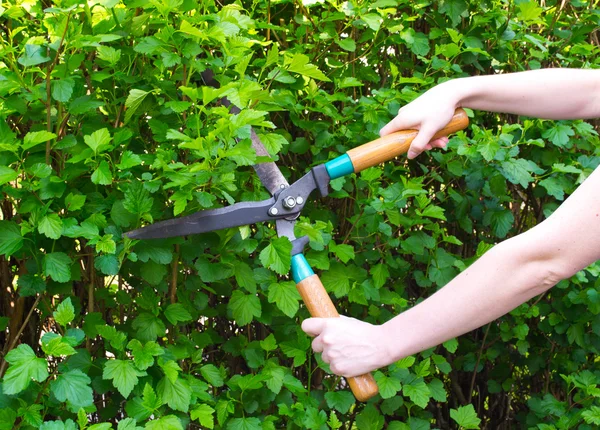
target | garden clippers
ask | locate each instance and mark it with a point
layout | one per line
(285, 206)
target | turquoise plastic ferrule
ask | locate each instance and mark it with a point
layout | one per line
(340, 166)
(300, 268)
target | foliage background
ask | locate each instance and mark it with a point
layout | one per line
(107, 126)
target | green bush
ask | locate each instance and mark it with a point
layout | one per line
(107, 126)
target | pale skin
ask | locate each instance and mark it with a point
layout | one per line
(513, 271)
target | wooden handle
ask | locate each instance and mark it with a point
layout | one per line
(390, 146)
(319, 304)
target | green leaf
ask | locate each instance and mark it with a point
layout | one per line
(30, 285)
(559, 135)
(128, 424)
(107, 264)
(433, 211)
(73, 386)
(370, 419)
(170, 368)
(123, 374)
(347, 44)
(57, 265)
(242, 154)
(299, 63)
(143, 355)
(273, 142)
(65, 312)
(341, 401)
(517, 171)
(277, 255)
(137, 199)
(74, 202)
(416, 41)
(373, 20)
(451, 345)
(204, 414)
(24, 366)
(554, 188)
(10, 238)
(437, 390)
(108, 54)
(31, 415)
(99, 140)
(344, 252)
(58, 425)
(33, 55)
(169, 422)
(244, 307)
(418, 392)
(592, 415)
(56, 345)
(380, 274)
(388, 386)
(212, 375)
(8, 417)
(34, 138)
(51, 226)
(466, 417)
(244, 276)
(7, 174)
(133, 102)
(244, 424)
(454, 9)
(176, 394)
(285, 295)
(148, 327)
(102, 175)
(62, 89)
(177, 313)
(106, 244)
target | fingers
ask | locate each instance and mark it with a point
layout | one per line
(397, 124)
(313, 326)
(420, 142)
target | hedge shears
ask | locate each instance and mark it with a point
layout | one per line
(284, 208)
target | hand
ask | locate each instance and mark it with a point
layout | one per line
(429, 113)
(350, 347)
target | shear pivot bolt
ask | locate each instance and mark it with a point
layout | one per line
(273, 211)
(289, 202)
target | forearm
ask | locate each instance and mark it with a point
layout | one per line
(547, 93)
(477, 296)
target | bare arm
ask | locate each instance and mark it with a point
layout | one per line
(547, 93)
(506, 276)
(513, 271)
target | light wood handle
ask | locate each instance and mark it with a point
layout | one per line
(319, 305)
(390, 146)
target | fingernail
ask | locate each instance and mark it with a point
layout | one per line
(411, 154)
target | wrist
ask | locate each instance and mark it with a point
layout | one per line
(387, 345)
(461, 91)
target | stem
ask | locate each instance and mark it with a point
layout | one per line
(487, 330)
(16, 338)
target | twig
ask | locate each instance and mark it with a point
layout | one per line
(487, 330)
(16, 338)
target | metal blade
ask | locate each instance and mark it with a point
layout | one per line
(242, 213)
(268, 173)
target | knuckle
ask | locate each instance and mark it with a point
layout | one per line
(328, 339)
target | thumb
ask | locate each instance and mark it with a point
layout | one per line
(313, 326)
(420, 141)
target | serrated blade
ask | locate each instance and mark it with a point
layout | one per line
(236, 215)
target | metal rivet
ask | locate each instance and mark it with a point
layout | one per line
(299, 200)
(273, 211)
(289, 202)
